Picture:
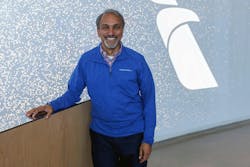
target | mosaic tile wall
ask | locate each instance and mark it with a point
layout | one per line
(41, 42)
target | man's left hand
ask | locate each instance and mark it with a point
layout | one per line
(144, 152)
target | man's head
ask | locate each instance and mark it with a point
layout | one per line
(110, 26)
(110, 11)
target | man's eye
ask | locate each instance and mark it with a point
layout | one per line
(104, 27)
(117, 27)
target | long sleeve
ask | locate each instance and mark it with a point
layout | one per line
(147, 89)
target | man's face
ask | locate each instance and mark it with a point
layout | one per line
(110, 31)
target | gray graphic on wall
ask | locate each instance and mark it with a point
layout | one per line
(188, 61)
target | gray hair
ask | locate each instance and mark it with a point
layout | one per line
(108, 11)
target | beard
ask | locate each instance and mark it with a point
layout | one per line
(111, 42)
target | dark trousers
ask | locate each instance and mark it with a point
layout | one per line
(116, 152)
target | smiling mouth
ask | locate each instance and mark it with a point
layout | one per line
(111, 38)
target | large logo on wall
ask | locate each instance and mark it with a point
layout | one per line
(189, 63)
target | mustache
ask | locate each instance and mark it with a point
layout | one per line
(110, 36)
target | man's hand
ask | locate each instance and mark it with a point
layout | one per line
(144, 152)
(33, 112)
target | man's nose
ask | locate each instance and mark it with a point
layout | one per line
(111, 31)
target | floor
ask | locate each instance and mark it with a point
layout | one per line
(228, 146)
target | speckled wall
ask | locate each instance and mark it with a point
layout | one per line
(41, 42)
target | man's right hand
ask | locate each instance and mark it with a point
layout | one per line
(33, 112)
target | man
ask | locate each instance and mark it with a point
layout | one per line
(122, 94)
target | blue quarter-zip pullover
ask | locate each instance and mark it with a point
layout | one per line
(122, 96)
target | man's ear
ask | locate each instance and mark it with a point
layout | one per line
(97, 30)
